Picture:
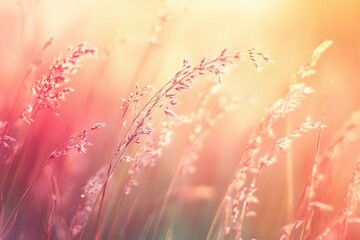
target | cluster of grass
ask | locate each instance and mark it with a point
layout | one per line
(131, 178)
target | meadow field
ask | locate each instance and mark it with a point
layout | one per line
(193, 119)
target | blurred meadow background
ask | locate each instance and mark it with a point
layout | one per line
(144, 43)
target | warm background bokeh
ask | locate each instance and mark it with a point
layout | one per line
(145, 42)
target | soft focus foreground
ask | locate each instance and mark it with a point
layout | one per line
(107, 132)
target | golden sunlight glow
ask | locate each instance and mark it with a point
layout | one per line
(179, 119)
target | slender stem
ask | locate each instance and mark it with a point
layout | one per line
(215, 219)
(166, 199)
(309, 210)
(9, 218)
(289, 173)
